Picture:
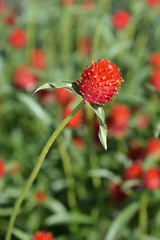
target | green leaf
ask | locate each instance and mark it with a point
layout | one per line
(121, 221)
(68, 218)
(20, 234)
(102, 125)
(5, 212)
(60, 84)
(104, 173)
(36, 108)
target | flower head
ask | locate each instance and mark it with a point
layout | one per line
(117, 195)
(43, 236)
(100, 82)
(78, 142)
(11, 17)
(23, 78)
(76, 119)
(153, 147)
(85, 46)
(155, 79)
(88, 5)
(67, 2)
(17, 38)
(40, 196)
(155, 59)
(2, 168)
(142, 121)
(119, 120)
(152, 3)
(132, 172)
(38, 59)
(64, 96)
(152, 178)
(121, 19)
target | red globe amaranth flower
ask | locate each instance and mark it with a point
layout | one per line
(2, 168)
(75, 121)
(121, 19)
(38, 59)
(43, 236)
(88, 5)
(78, 142)
(85, 46)
(47, 97)
(142, 121)
(64, 96)
(24, 79)
(136, 151)
(17, 38)
(153, 147)
(132, 172)
(116, 193)
(100, 82)
(155, 79)
(119, 120)
(3, 6)
(40, 196)
(155, 59)
(67, 2)
(151, 178)
(10, 17)
(152, 3)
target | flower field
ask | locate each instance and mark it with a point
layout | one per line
(79, 120)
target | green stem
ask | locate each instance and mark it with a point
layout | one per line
(143, 223)
(67, 166)
(37, 167)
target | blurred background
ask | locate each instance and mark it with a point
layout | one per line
(82, 191)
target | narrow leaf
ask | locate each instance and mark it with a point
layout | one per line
(102, 125)
(68, 218)
(20, 234)
(60, 84)
(121, 221)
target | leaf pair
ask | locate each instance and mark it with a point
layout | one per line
(71, 85)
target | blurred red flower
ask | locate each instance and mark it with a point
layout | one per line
(23, 78)
(116, 193)
(43, 236)
(151, 178)
(155, 79)
(142, 121)
(40, 196)
(67, 2)
(78, 142)
(88, 5)
(38, 59)
(75, 121)
(64, 96)
(47, 97)
(134, 171)
(2, 168)
(10, 17)
(153, 146)
(136, 151)
(100, 82)
(119, 120)
(3, 6)
(17, 38)
(155, 59)
(152, 3)
(85, 46)
(121, 19)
